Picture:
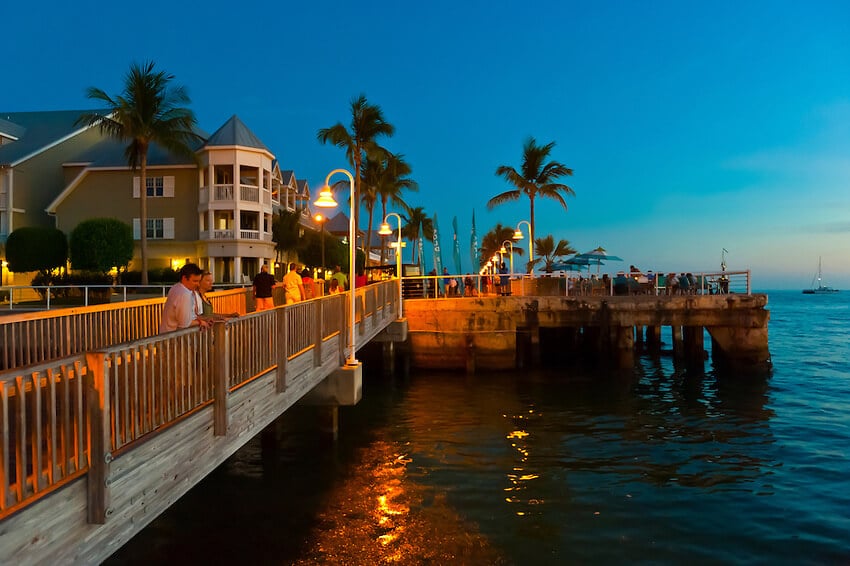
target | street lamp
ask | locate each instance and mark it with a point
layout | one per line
(385, 230)
(518, 236)
(322, 219)
(504, 251)
(326, 200)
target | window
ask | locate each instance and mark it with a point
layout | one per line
(154, 189)
(157, 229)
(156, 186)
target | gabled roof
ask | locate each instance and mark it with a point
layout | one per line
(235, 132)
(287, 176)
(41, 130)
(303, 187)
(36, 131)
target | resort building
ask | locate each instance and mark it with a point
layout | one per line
(216, 210)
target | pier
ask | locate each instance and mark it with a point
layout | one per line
(104, 423)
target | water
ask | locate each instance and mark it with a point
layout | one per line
(551, 467)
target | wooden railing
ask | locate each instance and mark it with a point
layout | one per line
(62, 418)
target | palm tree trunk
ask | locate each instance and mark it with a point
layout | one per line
(383, 240)
(143, 216)
(368, 245)
(531, 235)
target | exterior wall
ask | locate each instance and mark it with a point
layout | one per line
(109, 193)
(39, 180)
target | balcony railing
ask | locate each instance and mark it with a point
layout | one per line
(249, 234)
(225, 193)
(222, 234)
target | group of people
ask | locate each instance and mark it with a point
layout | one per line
(187, 304)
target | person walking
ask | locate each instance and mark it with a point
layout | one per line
(293, 286)
(264, 282)
(181, 309)
(341, 279)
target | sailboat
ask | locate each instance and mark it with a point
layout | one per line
(820, 289)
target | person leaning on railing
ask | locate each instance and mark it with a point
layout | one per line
(204, 305)
(181, 309)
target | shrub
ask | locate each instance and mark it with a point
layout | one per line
(100, 244)
(34, 248)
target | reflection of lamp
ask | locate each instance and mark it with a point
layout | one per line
(504, 251)
(385, 230)
(518, 236)
(321, 219)
(326, 200)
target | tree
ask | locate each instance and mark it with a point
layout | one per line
(549, 252)
(34, 248)
(286, 232)
(100, 244)
(359, 141)
(148, 111)
(417, 225)
(492, 241)
(536, 178)
(385, 179)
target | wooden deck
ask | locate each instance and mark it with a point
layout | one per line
(96, 443)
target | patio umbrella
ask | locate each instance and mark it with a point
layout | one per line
(573, 264)
(598, 257)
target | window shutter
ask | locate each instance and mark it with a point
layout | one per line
(168, 186)
(168, 228)
(135, 187)
(137, 232)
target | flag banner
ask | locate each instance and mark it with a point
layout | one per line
(438, 256)
(421, 249)
(474, 252)
(456, 257)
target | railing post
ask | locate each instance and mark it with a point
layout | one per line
(98, 406)
(282, 349)
(318, 334)
(221, 390)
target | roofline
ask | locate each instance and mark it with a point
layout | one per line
(51, 208)
(238, 147)
(53, 144)
(87, 165)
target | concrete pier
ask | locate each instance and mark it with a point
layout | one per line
(503, 332)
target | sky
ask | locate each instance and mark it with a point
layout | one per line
(691, 127)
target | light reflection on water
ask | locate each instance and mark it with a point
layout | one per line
(549, 467)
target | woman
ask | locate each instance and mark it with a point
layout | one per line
(307, 281)
(204, 305)
(334, 287)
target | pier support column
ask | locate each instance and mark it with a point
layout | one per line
(470, 354)
(740, 349)
(694, 346)
(388, 351)
(653, 339)
(678, 343)
(623, 346)
(329, 422)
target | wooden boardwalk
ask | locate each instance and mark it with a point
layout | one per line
(104, 424)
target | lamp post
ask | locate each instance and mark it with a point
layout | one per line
(504, 251)
(385, 230)
(321, 219)
(326, 200)
(518, 236)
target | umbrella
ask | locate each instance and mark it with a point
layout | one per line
(598, 257)
(573, 264)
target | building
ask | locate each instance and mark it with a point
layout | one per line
(216, 210)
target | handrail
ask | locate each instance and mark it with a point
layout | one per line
(62, 418)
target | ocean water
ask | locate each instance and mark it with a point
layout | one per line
(550, 466)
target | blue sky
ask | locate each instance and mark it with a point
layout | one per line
(691, 127)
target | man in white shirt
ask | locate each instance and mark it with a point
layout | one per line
(180, 310)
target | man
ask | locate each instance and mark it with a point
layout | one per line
(264, 282)
(180, 310)
(293, 286)
(341, 278)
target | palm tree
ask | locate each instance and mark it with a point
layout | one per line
(415, 219)
(536, 178)
(549, 252)
(359, 141)
(492, 242)
(394, 181)
(148, 111)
